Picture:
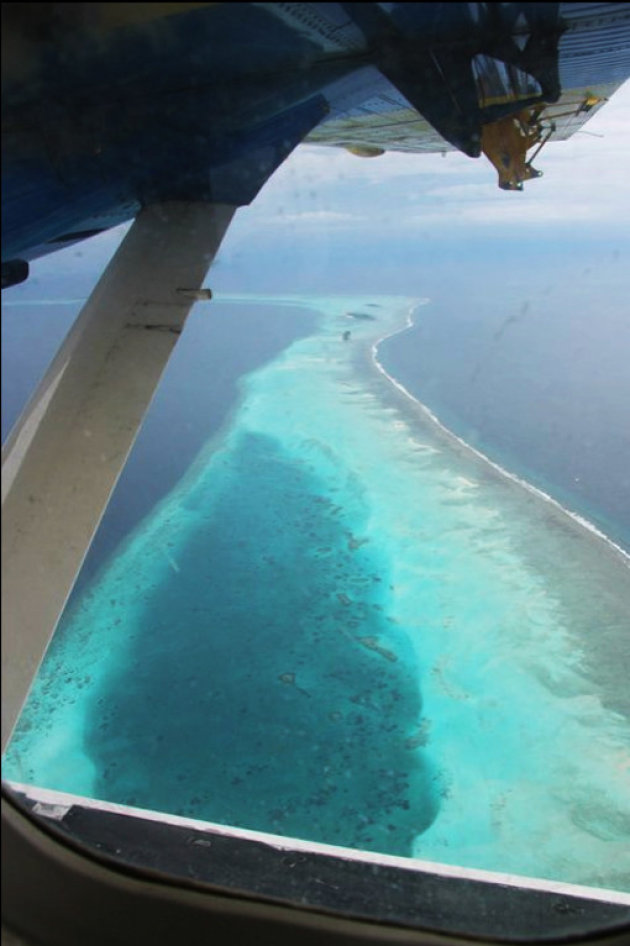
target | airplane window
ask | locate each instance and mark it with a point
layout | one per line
(363, 584)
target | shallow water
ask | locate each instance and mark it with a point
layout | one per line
(346, 626)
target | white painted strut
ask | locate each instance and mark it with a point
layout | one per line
(66, 453)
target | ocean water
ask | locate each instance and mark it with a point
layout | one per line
(535, 375)
(345, 625)
(192, 403)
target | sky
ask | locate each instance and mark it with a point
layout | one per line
(322, 193)
(585, 180)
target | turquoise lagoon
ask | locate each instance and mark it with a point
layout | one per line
(344, 625)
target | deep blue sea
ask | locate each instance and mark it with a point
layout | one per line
(537, 377)
(313, 612)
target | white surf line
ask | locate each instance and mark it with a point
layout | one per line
(55, 805)
(301, 302)
(535, 490)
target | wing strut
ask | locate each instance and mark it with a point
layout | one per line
(67, 451)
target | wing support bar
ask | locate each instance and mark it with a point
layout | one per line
(68, 449)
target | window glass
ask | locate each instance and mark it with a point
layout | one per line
(364, 580)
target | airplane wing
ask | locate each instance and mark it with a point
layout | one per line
(110, 107)
(593, 61)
